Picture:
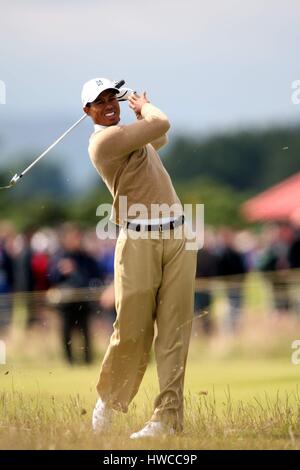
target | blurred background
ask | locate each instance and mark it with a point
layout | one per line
(224, 73)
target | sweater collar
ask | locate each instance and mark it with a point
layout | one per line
(98, 127)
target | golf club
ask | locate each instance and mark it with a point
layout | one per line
(17, 176)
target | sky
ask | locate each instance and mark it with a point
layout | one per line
(208, 64)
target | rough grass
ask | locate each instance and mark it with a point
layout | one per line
(230, 404)
(241, 392)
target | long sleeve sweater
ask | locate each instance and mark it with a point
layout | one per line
(126, 159)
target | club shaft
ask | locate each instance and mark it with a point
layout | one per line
(53, 145)
(17, 177)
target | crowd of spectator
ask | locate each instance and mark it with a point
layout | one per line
(74, 261)
(46, 261)
(274, 250)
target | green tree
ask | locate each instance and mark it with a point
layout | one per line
(244, 160)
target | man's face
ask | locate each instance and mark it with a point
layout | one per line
(72, 240)
(105, 110)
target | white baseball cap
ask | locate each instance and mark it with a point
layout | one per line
(94, 87)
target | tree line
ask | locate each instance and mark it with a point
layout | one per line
(221, 171)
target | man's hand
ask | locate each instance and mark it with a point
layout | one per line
(107, 297)
(136, 103)
(66, 266)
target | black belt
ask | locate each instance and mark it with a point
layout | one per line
(156, 227)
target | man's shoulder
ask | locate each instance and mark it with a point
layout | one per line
(106, 132)
(105, 136)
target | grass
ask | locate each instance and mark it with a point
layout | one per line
(230, 404)
(241, 392)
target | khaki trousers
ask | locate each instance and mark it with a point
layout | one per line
(154, 282)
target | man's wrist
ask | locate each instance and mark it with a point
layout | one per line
(144, 109)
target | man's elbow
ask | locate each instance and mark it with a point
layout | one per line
(94, 156)
(166, 124)
(162, 124)
(166, 139)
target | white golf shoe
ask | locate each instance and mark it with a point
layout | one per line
(153, 429)
(102, 417)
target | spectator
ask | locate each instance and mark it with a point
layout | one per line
(103, 250)
(294, 251)
(275, 262)
(206, 268)
(24, 277)
(6, 286)
(73, 268)
(231, 263)
(294, 263)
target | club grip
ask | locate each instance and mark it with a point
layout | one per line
(120, 83)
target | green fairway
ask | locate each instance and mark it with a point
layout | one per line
(230, 403)
(245, 378)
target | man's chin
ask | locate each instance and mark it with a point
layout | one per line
(112, 122)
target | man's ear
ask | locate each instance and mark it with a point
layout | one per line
(86, 109)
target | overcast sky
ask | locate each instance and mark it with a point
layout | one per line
(208, 63)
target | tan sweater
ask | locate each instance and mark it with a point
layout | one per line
(126, 159)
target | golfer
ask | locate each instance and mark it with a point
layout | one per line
(154, 272)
